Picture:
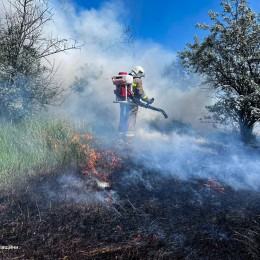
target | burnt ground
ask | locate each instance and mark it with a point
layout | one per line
(143, 215)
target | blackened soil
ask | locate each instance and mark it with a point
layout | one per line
(143, 216)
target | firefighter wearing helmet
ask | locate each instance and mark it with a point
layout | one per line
(128, 111)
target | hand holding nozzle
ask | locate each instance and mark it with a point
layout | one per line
(149, 101)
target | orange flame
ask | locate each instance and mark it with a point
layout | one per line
(95, 161)
(214, 184)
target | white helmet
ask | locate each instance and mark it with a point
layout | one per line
(139, 71)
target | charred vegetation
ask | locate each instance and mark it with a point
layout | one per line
(142, 214)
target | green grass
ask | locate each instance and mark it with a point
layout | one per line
(38, 144)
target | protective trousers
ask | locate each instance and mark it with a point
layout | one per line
(128, 113)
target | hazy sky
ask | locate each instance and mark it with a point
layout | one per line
(170, 23)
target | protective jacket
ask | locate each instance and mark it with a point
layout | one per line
(128, 111)
(138, 91)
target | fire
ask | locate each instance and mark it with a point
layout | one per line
(214, 184)
(95, 161)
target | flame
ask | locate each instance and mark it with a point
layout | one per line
(95, 161)
(214, 184)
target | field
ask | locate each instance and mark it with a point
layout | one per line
(103, 203)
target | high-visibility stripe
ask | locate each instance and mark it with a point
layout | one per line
(134, 84)
(129, 133)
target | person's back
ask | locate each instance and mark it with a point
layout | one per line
(128, 111)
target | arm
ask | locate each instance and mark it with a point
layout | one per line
(139, 91)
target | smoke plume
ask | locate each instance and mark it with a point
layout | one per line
(89, 70)
(106, 51)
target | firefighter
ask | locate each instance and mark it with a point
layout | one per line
(128, 111)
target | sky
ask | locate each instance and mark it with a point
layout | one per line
(170, 23)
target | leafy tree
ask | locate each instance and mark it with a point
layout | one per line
(230, 59)
(26, 84)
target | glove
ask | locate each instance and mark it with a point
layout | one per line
(149, 101)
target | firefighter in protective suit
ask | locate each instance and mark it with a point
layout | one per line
(128, 111)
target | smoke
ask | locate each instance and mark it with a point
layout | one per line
(73, 189)
(190, 157)
(107, 50)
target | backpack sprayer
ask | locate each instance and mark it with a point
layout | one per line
(124, 88)
(124, 92)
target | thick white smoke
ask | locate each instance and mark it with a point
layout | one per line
(187, 157)
(104, 55)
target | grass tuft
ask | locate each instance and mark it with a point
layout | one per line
(38, 143)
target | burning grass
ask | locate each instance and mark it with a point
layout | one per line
(37, 144)
(141, 214)
(95, 161)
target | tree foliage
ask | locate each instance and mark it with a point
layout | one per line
(230, 58)
(26, 82)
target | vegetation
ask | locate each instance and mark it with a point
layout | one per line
(108, 206)
(26, 74)
(230, 58)
(144, 215)
(37, 145)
